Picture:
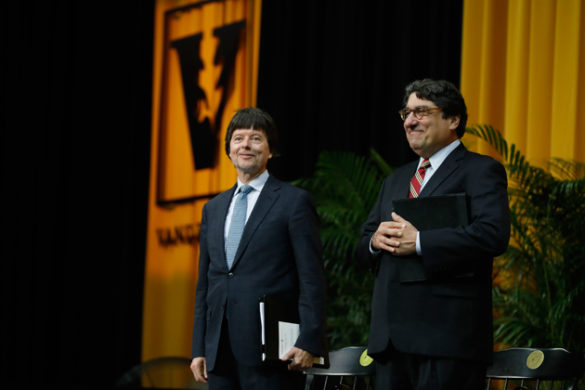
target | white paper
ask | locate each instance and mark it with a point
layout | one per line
(288, 333)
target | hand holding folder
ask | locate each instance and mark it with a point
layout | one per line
(280, 328)
(426, 213)
(433, 212)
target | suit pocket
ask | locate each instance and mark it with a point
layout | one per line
(456, 289)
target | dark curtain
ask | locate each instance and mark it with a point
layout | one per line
(332, 73)
(76, 93)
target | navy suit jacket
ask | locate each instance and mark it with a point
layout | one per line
(448, 315)
(279, 253)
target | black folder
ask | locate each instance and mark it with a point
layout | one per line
(426, 213)
(274, 310)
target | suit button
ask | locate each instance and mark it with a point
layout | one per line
(230, 274)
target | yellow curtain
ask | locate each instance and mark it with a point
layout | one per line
(178, 188)
(523, 72)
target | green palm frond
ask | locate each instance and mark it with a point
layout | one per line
(382, 165)
(543, 302)
(566, 169)
(519, 170)
(345, 187)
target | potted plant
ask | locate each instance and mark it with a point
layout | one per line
(539, 286)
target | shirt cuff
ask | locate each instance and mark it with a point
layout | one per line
(418, 248)
(372, 250)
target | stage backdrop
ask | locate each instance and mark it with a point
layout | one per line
(205, 68)
(522, 72)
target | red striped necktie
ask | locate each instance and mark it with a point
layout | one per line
(417, 179)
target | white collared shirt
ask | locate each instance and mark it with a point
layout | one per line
(436, 160)
(257, 184)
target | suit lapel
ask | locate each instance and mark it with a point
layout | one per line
(403, 186)
(448, 166)
(268, 196)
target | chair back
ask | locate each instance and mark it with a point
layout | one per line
(349, 368)
(532, 368)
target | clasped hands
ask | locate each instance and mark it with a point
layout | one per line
(397, 237)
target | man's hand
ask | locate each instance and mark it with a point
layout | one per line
(301, 359)
(397, 237)
(199, 368)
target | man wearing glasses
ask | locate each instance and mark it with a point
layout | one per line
(435, 332)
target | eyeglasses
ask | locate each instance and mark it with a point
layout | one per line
(419, 112)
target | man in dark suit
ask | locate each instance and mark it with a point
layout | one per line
(279, 253)
(435, 333)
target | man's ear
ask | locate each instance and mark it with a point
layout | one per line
(454, 122)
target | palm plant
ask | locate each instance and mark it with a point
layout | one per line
(539, 288)
(345, 187)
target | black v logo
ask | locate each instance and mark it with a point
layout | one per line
(204, 134)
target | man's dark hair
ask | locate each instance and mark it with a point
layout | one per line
(256, 119)
(445, 96)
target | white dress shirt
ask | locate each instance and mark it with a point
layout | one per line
(257, 184)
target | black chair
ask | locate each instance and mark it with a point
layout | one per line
(349, 368)
(535, 368)
(169, 372)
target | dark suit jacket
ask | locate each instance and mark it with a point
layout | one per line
(448, 315)
(279, 253)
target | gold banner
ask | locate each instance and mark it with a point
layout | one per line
(205, 68)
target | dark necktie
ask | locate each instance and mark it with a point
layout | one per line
(418, 178)
(237, 224)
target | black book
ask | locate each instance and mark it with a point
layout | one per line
(426, 213)
(279, 319)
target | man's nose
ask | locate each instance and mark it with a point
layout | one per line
(410, 120)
